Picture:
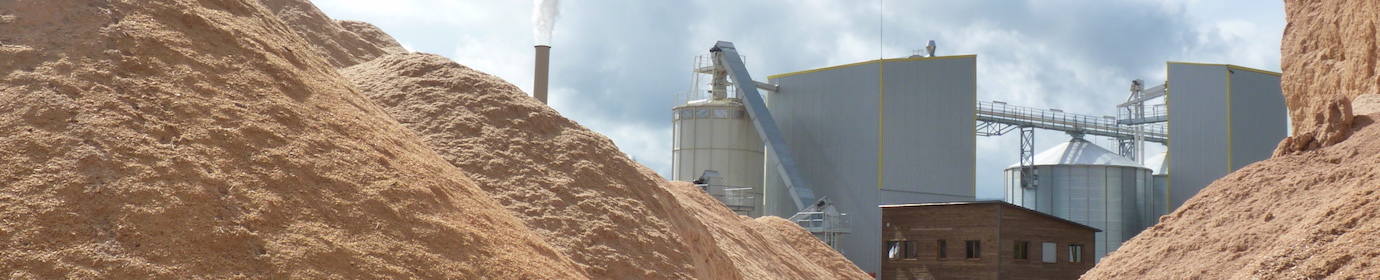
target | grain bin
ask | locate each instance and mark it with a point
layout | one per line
(1158, 201)
(1084, 183)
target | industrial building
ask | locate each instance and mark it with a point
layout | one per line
(888, 131)
(853, 132)
(1223, 117)
(982, 240)
(824, 147)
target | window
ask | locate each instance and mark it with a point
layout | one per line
(1076, 253)
(912, 249)
(702, 113)
(1049, 251)
(974, 249)
(943, 249)
(894, 251)
(720, 113)
(1021, 250)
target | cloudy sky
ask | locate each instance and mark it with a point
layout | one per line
(617, 65)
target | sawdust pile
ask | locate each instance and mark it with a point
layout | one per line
(614, 217)
(809, 246)
(217, 139)
(168, 139)
(1307, 213)
(1328, 55)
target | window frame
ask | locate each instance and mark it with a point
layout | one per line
(897, 246)
(912, 250)
(943, 252)
(974, 249)
(1020, 250)
(1076, 253)
(1049, 252)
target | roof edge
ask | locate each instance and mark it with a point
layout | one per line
(1236, 67)
(998, 202)
(867, 62)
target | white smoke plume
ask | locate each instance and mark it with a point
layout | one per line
(544, 15)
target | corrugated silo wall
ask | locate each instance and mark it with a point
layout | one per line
(830, 118)
(1100, 196)
(1221, 118)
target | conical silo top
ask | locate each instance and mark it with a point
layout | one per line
(1158, 163)
(1080, 152)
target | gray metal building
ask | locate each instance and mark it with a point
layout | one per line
(1221, 117)
(890, 131)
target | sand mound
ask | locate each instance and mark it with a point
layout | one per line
(1303, 215)
(168, 139)
(573, 186)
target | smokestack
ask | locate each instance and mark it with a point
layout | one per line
(542, 74)
(544, 14)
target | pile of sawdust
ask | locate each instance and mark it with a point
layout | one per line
(217, 139)
(570, 184)
(1306, 216)
(1328, 54)
(809, 246)
(614, 217)
(169, 139)
(1303, 214)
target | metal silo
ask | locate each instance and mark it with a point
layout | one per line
(1084, 183)
(712, 132)
(1159, 198)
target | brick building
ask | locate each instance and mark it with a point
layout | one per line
(982, 240)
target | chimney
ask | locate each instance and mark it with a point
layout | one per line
(542, 74)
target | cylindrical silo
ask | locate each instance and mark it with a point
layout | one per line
(1084, 183)
(1158, 201)
(716, 134)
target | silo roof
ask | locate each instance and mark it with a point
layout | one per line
(1080, 152)
(1158, 164)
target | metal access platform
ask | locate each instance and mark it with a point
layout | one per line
(1132, 127)
(998, 118)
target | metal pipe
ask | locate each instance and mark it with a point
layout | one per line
(543, 73)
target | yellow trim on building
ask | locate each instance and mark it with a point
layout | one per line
(1229, 66)
(865, 63)
(1229, 128)
(1168, 122)
(881, 118)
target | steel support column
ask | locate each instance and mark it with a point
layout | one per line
(1028, 172)
(1127, 148)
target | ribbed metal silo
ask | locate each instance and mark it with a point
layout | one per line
(1084, 183)
(1159, 199)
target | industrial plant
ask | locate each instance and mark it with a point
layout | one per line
(833, 148)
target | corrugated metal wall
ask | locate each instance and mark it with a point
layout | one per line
(830, 116)
(1103, 197)
(1259, 117)
(1221, 118)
